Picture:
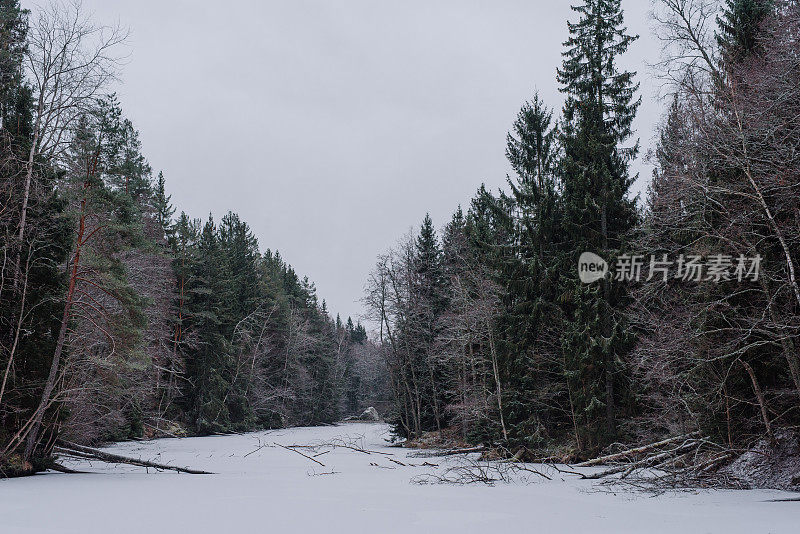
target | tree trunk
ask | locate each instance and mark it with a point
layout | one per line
(496, 371)
(760, 396)
(89, 453)
(62, 334)
(16, 336)
(608, 356)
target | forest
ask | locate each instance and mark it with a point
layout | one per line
(493, 339)
(119, 317)
(122, 317)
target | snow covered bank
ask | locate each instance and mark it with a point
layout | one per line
(261, 487)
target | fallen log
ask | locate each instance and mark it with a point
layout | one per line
(436, 453)
(607, 472)
(650, 461)
(635, 451)
(65, 447)
(711, 464)
(675, 461)
(659, 459)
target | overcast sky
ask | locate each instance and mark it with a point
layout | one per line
(333, 127)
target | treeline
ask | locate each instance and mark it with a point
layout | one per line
(117, 319)
(488, 329)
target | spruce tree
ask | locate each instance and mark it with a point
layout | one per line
(453, 242)
(240, 250)
(531, 150)
(739, 26)
(598, 213)
(208, 365)
(430, 301)
(530, 273)
(13, 33)
(359, 334)
(164, 209)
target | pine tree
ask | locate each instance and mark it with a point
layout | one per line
(598, 213)
(126, 174)
(127, 169)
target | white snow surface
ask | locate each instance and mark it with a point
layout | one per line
(259, 487)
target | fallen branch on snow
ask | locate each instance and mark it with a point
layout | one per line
(73, 449)
(450, 452)
(635, 451)
(300, 453)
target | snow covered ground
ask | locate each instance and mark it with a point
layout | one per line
(261, 487)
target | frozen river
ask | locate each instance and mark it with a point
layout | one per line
(261, 487)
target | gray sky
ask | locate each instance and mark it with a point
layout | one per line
(333, 127)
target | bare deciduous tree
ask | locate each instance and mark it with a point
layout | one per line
(70, 61)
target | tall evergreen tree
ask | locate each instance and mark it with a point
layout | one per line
(430, 301)
(240, 250)
(598, 213)
(164, 209)
(13, 32)
(208, 366)
(530, 275)
(531, 150)
(429, 269)
(739, 27)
